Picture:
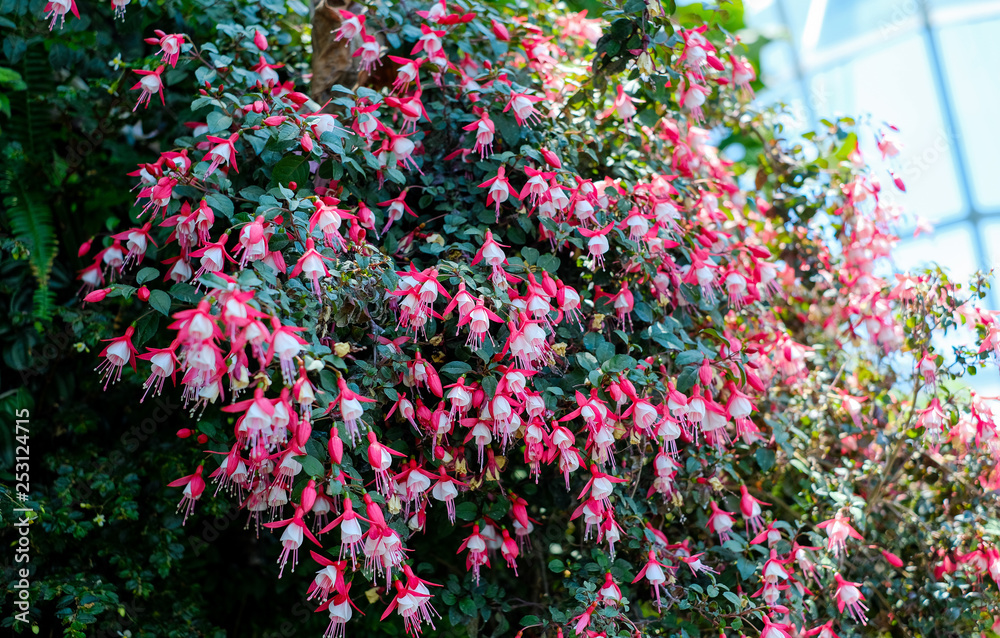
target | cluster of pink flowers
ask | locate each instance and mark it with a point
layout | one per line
(675, 247)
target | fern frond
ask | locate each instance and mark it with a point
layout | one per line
(30, 220)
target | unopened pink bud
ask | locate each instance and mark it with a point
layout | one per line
(500, 31)
(260, 41)
(551, 158)
(97, 295)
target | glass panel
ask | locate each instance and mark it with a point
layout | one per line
(903, 94)
(952, 248)
(777, 63)
(960, 3)
(796, 12)
(849, 19)
(970, 56)
(796, 117)
(990, 231)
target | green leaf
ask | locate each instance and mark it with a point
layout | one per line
(745, 567)
(508, 128)
(556, 565)
(218, 122)
(145, 327)
(160, 301)
(455, 368)
(466, 510)
(689, 357)
(548, 263)
(687, 379)
(468, 606)
(291, 168)
(311, 466)
(587, 360)
(220, 204)
(620, 362)
(146, 274)
(765, 458)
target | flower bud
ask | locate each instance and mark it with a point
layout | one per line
(202, 439)
(500, 31)
(183, 433)
(143, 294)
(551, 158)
(259, 40)
(84, 247)
(341, 349)
(97, 295)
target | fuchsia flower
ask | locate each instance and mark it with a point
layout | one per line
(654, 572)
(838, 529)
(609, 593)
(491, 252)
(623, 105)
(693, 97)
(291, 538)
(823, 631)
(170, 46)
(370, 52)
(224, 152)
(597, 242)
(150, 84)
(445, 490)
(397, 205)
(117, 354)
(475, 545)
(743, 73)
(349, 404)
(750, 508)
(313, 264)
(329, 579)
(341, 610)
(849, 596)
(500, 30)
(776, 630)
(57, 10)
(268, 72)
(583, 620)
(523, 106)
(720, 522)
(350, 530)
(194, 486)
(485, 131)
(164, 364)
(500, 190)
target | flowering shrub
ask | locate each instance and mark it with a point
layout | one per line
(507, 345)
